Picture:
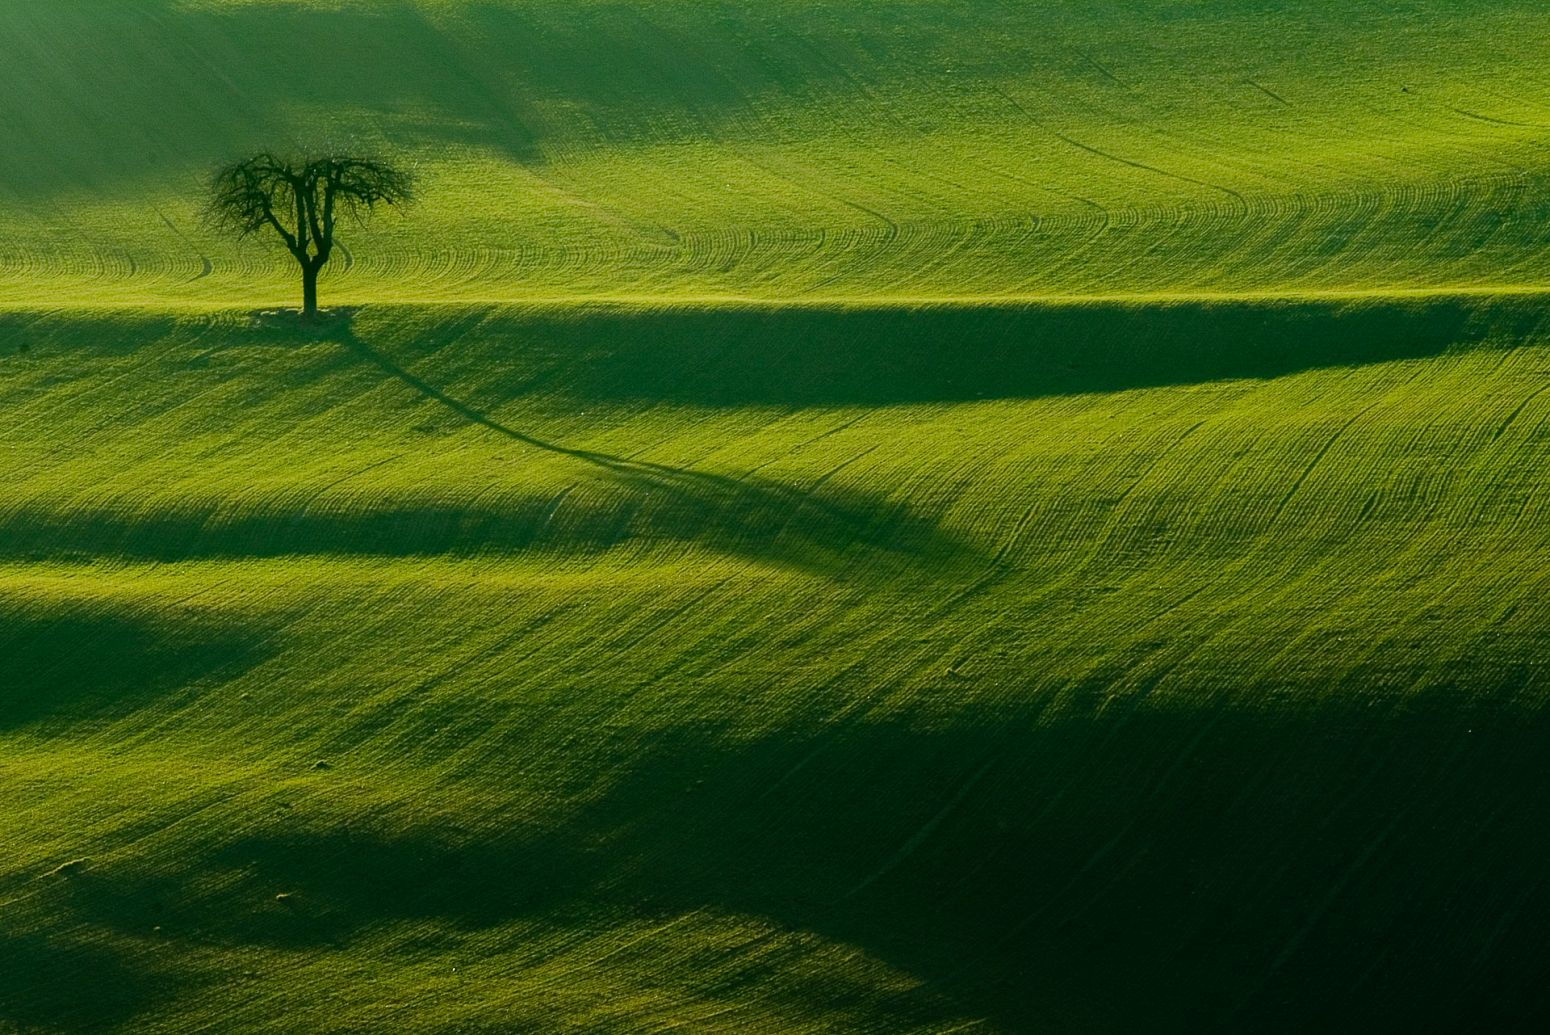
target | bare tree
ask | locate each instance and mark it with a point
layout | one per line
(302, 201)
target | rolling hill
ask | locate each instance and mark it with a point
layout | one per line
(790, 150)
(828, 517)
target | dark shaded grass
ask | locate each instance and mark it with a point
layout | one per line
(895, 355)
(885, 355)
(53, 983)
(797, 356)
(1201, 870)
(23, 332)
(75, 663)
(767, 522)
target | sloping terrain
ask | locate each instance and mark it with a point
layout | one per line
(790, 149)
(604, 669)
(848, 517)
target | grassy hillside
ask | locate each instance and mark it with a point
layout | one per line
(908, 517)
(611, 670)
(790, 149)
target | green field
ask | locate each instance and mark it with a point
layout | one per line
(919, 516)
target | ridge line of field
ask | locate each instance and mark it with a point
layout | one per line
(872, 302)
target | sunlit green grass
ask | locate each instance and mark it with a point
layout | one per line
(911, 517)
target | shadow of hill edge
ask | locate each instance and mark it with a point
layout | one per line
(1186, 871)
(893, 355)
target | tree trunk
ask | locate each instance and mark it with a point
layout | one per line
(309, 291)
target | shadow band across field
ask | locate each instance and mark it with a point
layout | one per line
(817, 534)
(1208, 869)
(94, 662)
(885, 355)
(823, 355)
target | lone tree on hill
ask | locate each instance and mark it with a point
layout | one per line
(302, 200)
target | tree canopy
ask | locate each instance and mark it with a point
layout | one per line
(303, 200)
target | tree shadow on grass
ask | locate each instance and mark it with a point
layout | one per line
(822, 530)
(1214, 869)
(65, 665)
(729, 510)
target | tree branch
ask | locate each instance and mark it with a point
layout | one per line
(252, 194)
